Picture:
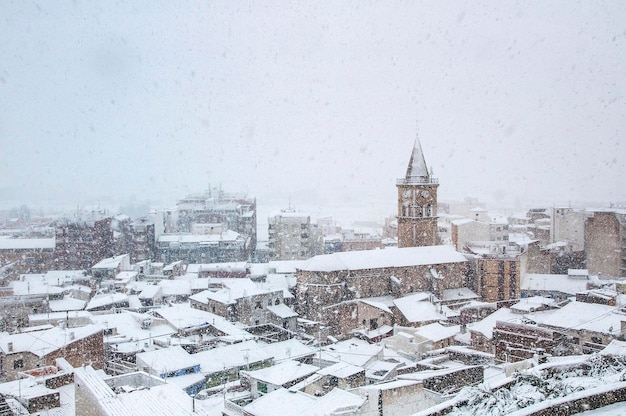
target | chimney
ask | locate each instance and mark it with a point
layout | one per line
(72, 336)
(10, 346)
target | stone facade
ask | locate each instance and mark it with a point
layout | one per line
(216, 206)
(80, 245)
(417, 204)
(28, 255)
(498, 278)
(605, 243)
(516, 342)
(86, 350)
(346, 317)
(318, 288)
(254, 310)
(291, 236)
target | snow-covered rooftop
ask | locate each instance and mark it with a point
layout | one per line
(165, 360)
(41, 343)
(487, 324)
(183, 316)
(341, 370)
(352, 351)
(437, 332)
(529, 304)
(282, 311)
(459, 294)
(289, 349)
(228, 235)
(99, 301)
(307, 405)
(582, 315)
(553, 282)
(231, 356)
(159, 400)
(285, 372)
(417, 308)
(66, 304)
(110, 263)
(8, 243)
(390, 257)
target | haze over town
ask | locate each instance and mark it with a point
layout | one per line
(313, 103)
(315, 208)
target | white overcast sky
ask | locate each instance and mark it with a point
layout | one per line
(308, 100)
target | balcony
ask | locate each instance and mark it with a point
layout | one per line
(421, 180)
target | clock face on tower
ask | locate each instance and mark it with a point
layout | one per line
(425, 193)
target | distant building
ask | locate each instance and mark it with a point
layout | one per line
(605, 243)
(27, 255)
(227, 246)
(469, 208)
(465, 230)
(362, 237)
(417, 203)
(135, 237)
(217, 207)
(568, 225)
(498, 229)
(108, 268)
(80, 244)
(292, 236)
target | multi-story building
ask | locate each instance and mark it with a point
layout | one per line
(144, 240)
(417, 203)
(221, 247)
(605, 243)
(465, 230)
(498, 229)
(216, 206)
(80, 244)
(568, 225)
(498, 275)
(291, 236)
(27, 255)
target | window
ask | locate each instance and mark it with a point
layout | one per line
(261, 387)
(258, 305)
(19, 363)
(277, 302)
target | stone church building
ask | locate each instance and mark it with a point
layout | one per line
(416, 265)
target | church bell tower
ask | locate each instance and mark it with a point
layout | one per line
(417, 203)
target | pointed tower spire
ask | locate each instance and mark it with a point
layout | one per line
(417, 203)
(417, 170)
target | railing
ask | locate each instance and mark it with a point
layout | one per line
(421, 180)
